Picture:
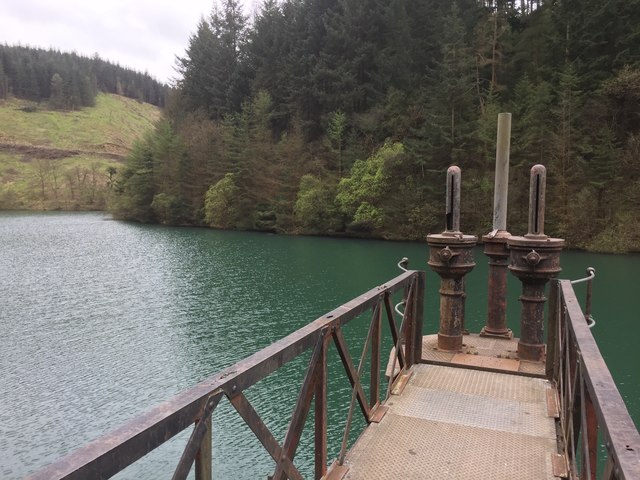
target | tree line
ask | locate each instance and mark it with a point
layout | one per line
(341, 116)
(68, 80)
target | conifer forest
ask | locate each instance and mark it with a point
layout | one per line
(340, 117)
(68, 81)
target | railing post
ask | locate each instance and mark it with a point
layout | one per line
(552, 333)
(204, 455)
(376, 345)
(408, 324)
(589, 435)
(418, 319)
(320, 407)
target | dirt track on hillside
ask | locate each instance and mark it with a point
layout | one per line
(32, 152)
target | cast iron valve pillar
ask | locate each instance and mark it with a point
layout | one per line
(535, 259)
(451, 257)
(495, 247)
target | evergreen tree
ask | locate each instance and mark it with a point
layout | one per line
(196, 69)
(56, 100)
(4, 83)
(135, 188)
(27, 73)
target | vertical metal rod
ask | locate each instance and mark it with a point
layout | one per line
(347, 428)
(374, 390)
(320, 406)
(608, 473)
(552, 335)
(453, 199)
(203, 457)
(589, 434)
(500, 194)
(408, 332)
(418, 317)
(587, 307)
(537, 190)
(397, 338)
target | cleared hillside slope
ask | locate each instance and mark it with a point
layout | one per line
(53, 160)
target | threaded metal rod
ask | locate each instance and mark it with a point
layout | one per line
(537, 190)
(453, 199)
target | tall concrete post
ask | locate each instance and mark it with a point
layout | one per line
(451, 257)
(495, 242)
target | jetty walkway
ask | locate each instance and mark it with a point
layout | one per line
(456, 422)
(478, 413)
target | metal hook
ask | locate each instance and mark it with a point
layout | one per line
(403, 264)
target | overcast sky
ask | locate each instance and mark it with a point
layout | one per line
(145, 35)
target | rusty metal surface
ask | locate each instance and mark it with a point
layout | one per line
(559, 463)
(579, 367)
(378, 414)
(451, 257)
(202, 429)
(320, 413)
(400, 383)
(495, 247)
(337, 472)
(534, 261)
(537, 200)
(486, 363)
(482, 346)
(456, 423)
(300, 412)
(553, 409)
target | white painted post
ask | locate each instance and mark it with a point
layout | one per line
(500, 194)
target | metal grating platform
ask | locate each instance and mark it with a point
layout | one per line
(457, 423)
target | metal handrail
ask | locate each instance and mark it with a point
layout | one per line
(114, 451)
(589, 399)
(591, 274)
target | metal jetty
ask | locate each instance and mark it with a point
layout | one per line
(450, 404)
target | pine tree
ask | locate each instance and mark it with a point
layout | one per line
(56, 100)
(4, 82)
(196, 69)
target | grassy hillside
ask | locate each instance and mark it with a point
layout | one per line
(64, 160)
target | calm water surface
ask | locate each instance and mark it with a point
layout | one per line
(101, 320)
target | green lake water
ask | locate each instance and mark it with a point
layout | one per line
(101, 320)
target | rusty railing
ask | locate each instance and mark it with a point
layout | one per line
(115, 451)
(597, 433)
